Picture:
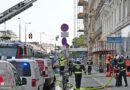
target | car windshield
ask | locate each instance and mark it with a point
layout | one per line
(23, 68)
(9, 52)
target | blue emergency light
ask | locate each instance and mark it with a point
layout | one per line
(25, 64)
(16, 44)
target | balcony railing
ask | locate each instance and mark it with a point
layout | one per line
(103, 47)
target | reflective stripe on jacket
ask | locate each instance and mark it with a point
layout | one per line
(77, 68)
(62, 62)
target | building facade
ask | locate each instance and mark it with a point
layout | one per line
(108, 18)
(8, 35)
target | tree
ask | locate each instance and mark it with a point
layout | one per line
(78, 41)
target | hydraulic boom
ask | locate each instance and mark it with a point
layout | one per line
(16, 9)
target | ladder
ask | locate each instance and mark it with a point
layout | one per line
(16, 9)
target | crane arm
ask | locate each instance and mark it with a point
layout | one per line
(16, 9)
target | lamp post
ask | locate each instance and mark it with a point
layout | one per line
(41, 36)
(25, 37)
(26, 31)
(19, 29)
(41, 39)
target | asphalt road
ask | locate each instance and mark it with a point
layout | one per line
(95, 80)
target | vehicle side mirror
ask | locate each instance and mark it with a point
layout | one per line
(24, 81)
(42, 73)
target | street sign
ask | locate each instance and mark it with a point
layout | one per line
(64, 41)
(64, 27)
(114, 39)
(67, 45)
(64, 34)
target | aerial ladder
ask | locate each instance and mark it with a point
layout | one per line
(16, 9)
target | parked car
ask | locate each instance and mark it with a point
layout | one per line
(9, 77)
(29, 69)
(47, 70)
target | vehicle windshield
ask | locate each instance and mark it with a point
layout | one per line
(9, 52)
(23, 68)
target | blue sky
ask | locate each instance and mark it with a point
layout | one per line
(45, 16)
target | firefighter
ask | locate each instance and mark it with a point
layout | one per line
(70, 64)
(122, 65)
(108, 60)
(77, 69)
(117, 77)
(89, 63)
(62, 64)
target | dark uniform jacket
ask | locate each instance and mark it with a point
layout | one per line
(122, 65)
(77, 68)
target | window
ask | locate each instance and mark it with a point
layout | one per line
(23, 68)
(17, 77)
(9, 52)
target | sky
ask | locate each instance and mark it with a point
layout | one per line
(45, 16)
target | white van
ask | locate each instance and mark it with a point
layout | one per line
(9, 78)
(29, 69)
(48, 72)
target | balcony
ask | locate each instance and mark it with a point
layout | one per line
(81, 30)
(102, 47)
(82, 3)
(81, 16)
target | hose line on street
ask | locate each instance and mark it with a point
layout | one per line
(101, 87)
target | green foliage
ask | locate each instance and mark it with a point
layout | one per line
(78, 40)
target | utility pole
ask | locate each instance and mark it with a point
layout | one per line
(75, 18)
(19, 29)
(25, 37)
(26, 31)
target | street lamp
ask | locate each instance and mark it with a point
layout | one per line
(19, 29)
(26, 31)
(41, 36)
(41, 40)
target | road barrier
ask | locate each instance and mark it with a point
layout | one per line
(95, 88)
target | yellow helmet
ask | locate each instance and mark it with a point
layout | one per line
(114, 57)
(62, 58)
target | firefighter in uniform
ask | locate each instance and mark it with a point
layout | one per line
(77, 69)
(89, 63)
(117, 77)
(122, 65)
(108, 60)
(62, 64)
(70, 64)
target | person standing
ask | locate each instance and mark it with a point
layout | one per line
(62, 65)
(108, 60)
(89, 63)
(117, 77)
(70, 64)
(77, 69)
(122, 66)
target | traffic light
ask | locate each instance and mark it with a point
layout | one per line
(30, 36)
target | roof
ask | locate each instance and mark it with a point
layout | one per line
(20, 60)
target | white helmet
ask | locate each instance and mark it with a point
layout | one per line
(118, 57)
(78, 59)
